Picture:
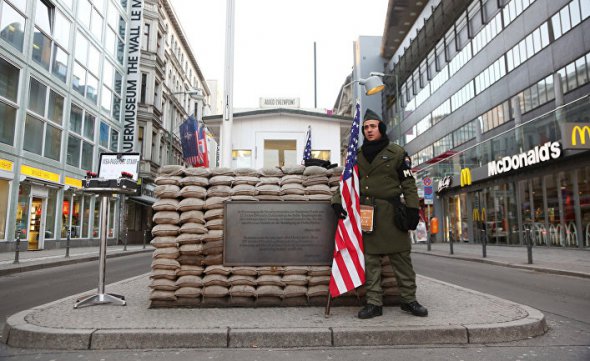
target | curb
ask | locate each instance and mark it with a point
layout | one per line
(21, 267)
(506, 264)
(18, 332)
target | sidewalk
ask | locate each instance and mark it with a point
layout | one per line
(456, 316)
(32, 260)
(564, 261)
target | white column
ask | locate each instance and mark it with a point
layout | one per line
(226, 129)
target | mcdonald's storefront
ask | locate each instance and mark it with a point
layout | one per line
(544, 189)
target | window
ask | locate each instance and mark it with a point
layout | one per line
(45, 107)
(85, 79)
(145, 43)
(143, 88)
(321, 154)
(12, 23)
(103, 138)
(9, 76)
(51, 40)
(475, 18)
(242, 158)
(91, 17)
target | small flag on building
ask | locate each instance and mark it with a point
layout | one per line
(348, 266)
(188, 140)
(307, 150)
(203, 156)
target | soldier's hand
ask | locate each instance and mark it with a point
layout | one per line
(339, 210)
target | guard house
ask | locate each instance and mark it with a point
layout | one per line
(275, 134)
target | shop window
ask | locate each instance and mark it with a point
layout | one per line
(4, 192)
(112, 218)
(85, 216)
(22, 210)
(96, 219)
(584, 192)
(50, 216)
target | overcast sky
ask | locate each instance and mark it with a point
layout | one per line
(274, 44)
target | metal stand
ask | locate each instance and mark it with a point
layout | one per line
(101, 297)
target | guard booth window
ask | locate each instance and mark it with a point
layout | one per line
(279, 152)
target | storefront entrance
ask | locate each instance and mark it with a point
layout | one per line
(31, 215)
(36, 224)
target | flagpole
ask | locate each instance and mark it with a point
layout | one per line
(228, 110)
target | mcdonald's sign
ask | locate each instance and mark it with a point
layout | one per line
(576, 135)
(465, 177)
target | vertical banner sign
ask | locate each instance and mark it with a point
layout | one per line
(133, 75)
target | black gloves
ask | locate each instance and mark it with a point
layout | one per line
(339, 210)
(413, 218)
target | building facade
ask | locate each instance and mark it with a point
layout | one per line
(63, 69)
(490, 99)
(60, 97)
(172, 88)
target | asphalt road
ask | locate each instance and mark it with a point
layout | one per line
(21, 291)
(560, 295)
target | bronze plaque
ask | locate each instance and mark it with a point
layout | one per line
(269, 233)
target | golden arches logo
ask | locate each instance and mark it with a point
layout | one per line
(581, 131)
(465, 177)
(479, 216)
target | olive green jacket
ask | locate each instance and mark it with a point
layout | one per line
(379, 183)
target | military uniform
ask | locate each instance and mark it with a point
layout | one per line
(388, 176)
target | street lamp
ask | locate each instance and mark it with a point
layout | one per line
(398, 108)
(196, 93)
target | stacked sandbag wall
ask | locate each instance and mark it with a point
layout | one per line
(187, 268)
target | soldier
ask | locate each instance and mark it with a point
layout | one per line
(385, 174)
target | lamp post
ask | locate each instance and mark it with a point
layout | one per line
(196, 93)
(373, 85)
(397, 100)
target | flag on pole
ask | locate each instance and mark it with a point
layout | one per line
(348, 266)
(307, 150)
(203, 156)
(188, 140)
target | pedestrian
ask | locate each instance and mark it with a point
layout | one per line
(385, 175)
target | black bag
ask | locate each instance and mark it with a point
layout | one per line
(404, 217)
(319, 162)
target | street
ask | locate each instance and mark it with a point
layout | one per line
(562, 299)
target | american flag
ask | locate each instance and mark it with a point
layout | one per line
(307, 150)
(348, 266)
(188, 140)
(203, 156)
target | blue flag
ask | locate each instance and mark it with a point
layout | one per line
(188, 140)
